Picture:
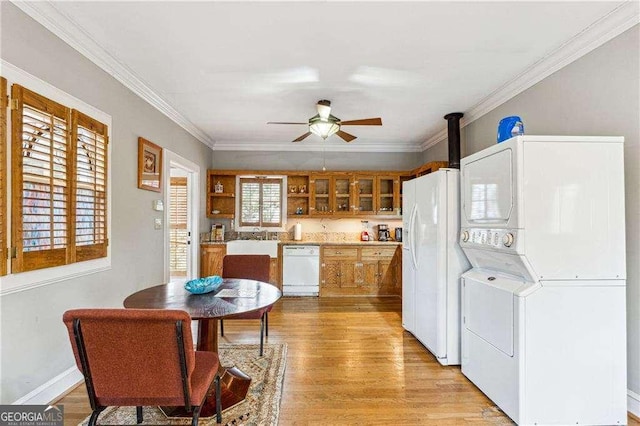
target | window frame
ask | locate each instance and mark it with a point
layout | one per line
(245, 227)
(17, 282)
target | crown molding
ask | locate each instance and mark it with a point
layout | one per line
(50, 17)
(315, 147)
(620, 19)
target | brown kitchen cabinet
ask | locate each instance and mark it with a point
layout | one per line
(331, 195)
(387, 195)
(382, 266)
(320, 194)
(298, 195)
(338, 271)
(361, 271)
(274, 273)
(221, 195)
(365, 192)
(211, 256)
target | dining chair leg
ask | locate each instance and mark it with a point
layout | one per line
(266, 323)
(94, 416)
(196, 415)
(261, 334)
(139, 414)
(221, 328)
(218, 400)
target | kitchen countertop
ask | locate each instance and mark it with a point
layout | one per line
(342, 243)
(319, 243)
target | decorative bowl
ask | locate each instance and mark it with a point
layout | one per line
(203, 285)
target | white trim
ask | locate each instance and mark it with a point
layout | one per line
(171, 159)
(623, 17)
(53, 389)
(316, 146)
(16, 282)
(50, 17)
(633, 403)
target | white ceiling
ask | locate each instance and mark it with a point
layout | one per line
(223, 69)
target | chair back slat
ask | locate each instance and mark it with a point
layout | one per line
(248, 266)
(133, 354)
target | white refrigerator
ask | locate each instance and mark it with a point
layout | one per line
(432, 262)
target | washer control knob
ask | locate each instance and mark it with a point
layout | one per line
(465, 236)
(507, 240)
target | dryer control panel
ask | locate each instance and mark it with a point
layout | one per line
(488, 238)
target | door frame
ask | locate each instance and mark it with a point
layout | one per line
(173, 160)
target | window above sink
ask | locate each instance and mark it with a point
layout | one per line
(261, 204)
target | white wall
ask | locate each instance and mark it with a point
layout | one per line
(34, 345)
(596, 95)
(296, 160)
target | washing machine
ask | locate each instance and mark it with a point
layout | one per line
(543, 308)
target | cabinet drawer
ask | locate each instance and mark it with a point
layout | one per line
(377, 253)
(340, 252)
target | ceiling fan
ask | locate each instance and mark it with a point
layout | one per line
(324, 124)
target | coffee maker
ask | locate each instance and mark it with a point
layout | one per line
(383, 232)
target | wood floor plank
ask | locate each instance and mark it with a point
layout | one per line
(350, 362)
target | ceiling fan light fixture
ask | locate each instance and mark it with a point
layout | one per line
(323, 128)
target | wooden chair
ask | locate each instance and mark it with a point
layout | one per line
(141, 357)
(253, 267)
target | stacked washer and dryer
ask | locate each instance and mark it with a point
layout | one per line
(543, 309)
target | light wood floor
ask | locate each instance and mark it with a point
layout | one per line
(350, 362)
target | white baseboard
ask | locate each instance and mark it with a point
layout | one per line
(633, 403)
(51, 390)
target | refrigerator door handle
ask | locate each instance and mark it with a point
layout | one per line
(412, 233)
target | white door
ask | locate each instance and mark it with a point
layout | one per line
(181, 218)
(430, 321)
(408, 267)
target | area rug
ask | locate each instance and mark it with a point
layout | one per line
(261, 407)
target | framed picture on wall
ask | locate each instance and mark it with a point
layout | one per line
(149, 165)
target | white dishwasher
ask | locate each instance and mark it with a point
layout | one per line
(300, 270)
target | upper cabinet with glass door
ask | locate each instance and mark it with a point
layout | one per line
(331, 194)
(388, 195)
(343, 204)
(365, 194)
(320, 203)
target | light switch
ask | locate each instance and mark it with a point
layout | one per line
(158, 205)
(158, 223)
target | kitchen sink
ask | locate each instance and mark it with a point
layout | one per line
(269, 247)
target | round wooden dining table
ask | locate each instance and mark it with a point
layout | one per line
(234, 296)
(243, 296)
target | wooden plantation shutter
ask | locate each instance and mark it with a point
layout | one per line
(3, 176)
(261, 202)
(271, 214)
(178, 227)
(249, 202)
(89, 199)
(41, 149)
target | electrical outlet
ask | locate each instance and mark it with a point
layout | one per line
(158, 223)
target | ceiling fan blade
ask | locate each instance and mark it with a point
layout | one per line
(363, 122)
(346, 136)
(299, 139)
(284, 122)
